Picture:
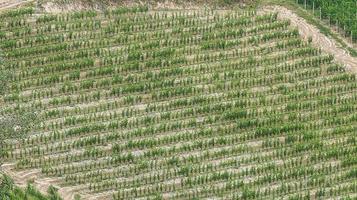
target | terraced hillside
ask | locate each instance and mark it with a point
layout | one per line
(138, 104)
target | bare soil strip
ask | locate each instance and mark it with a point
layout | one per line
(319, 40)
(8, 4)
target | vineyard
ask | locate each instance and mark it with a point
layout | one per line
(340, 13)
(194, 104)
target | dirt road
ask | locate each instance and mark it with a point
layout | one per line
(319, 40)
(7, 4)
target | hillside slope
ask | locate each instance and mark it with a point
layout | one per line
(140, 104)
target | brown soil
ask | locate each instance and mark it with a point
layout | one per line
(8, 4)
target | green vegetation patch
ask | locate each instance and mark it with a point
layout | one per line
(8, 191)
(341, 13)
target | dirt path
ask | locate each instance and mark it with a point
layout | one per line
(7, 4)
(319, 40)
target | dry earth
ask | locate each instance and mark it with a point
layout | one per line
(306, 30)
(7, 4)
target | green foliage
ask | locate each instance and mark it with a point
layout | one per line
(6, 186)
(53, 193)
(178, 105)
(5, 78)
(8, 191)
(18, 12)
(331, 10)
(342, 13)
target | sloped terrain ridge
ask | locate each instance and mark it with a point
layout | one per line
(195, 104)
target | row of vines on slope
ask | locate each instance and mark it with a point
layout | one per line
(180, 105)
